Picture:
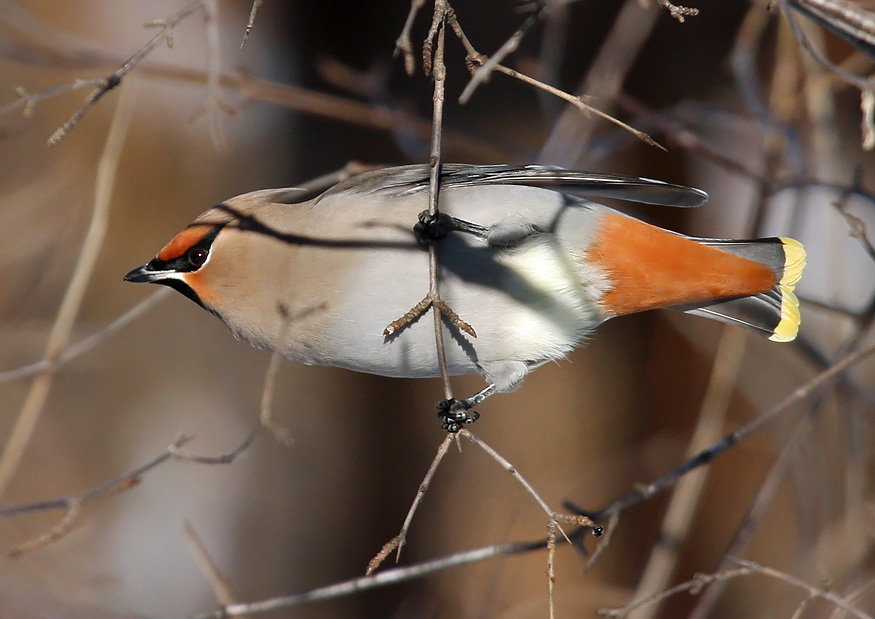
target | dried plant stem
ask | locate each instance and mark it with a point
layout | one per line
(679, 515)
(219, 583)
(32, 408)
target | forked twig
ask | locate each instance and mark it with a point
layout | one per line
(435, 65)
(126, 480)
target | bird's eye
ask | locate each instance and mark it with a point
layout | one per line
(197, 256)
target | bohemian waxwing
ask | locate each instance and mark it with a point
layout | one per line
(529, 265)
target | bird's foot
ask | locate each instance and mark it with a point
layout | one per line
(455, 413)
(435, 227)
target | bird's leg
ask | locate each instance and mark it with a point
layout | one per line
(434, 227)
(454, 413)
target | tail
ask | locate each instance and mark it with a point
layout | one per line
(774, 313)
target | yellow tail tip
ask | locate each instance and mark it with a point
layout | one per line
(794, 263)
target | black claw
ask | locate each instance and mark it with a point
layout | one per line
(431, 227)
(454, 414)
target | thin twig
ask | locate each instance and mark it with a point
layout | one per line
(432, 300)
(856, 230)
(213, 101)
(74, 351)
(281, 434)
(251, 22)
(707, 455)
(694, 586)
(27, 101)
(219, 583)
(569, 138)
(403, 45)
(812, 591)
(286, 95)
(179, 453)
(399, 540)
(747, 568)
(126, 480)
(755, 514)
(380, 579)
(439, 72)
(115, 78)
(51, 536)
(33, 405)
(508, 47)
(475, 58)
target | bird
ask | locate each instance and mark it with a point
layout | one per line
(526, 261)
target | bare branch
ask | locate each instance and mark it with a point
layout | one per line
(508, 47)
(92, 341)
(219, 583)
(115, 78)
(695, 586)
(380, 579)
(251, 22)
(706, 456)
(126, 480)
(54, 534)
(403, 45)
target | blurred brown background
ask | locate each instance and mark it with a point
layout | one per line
(617, 413)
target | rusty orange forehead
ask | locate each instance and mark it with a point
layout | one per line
(184, 241)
